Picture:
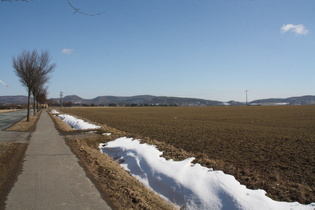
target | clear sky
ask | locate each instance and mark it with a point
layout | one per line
(210, 49)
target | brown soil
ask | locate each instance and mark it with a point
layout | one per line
(270, 148)
(11, 161)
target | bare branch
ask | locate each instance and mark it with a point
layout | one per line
(77, 10)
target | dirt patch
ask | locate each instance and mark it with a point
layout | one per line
(11, 162)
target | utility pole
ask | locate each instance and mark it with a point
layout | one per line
(246, 96)
(61, 95)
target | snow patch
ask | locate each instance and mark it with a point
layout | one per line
(77, 124)
(188, 185)
(54, 111)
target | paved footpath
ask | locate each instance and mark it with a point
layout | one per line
(52, 177)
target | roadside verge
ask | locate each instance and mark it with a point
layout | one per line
(12, 157)
(116, 185)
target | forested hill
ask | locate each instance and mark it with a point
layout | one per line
(141, 100)
(149, 100)
(302, 100)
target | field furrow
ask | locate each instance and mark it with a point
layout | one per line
(270, 148)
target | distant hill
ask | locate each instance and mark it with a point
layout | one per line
(13, 99)
(149, 100)
(141, 100)
(301, 100)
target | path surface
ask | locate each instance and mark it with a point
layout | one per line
(52, 177)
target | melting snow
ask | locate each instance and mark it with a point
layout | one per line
(77, 124)
(54, 111)
(188, 185)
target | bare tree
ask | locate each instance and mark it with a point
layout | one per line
(42, 75)
(36, 91)
(40, 97)
(24, 66)
(33, 70)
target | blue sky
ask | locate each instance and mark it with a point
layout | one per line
(210, 49)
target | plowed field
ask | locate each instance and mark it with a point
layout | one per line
(270, 148)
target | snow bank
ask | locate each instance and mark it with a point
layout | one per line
(77, 124)
(54, 111)
(188, 185)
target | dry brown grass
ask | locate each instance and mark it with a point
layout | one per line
(25, 126)
(270, 148)
(11, 160)
(62, 126)
(6, 110)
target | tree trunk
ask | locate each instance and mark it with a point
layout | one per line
(34, 108)
(28, 105)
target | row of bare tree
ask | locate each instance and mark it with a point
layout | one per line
(33, 70)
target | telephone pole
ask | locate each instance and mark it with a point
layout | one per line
(246, 96)
(61, 95)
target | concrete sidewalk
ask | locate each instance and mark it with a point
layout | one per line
(52, 177)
